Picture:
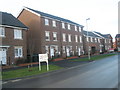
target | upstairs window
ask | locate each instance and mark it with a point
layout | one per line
(63, 25)
(54, 23)
(76, 38)
(91, 39)
(47, 35)
(75, 28)
(80, 39)
(17, 34)
(87, 39)
(46, 22)
(2, 32)
(80, 29)
(54, 36)
(69, 26)
(69, 37)
(64, 37)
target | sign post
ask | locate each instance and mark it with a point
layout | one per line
(43, 58)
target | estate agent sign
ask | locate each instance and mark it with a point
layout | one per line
(43, 58)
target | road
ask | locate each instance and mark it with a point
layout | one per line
(97, 74)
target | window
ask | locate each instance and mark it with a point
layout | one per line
(80, 29)
(46, 22)
(54, 23)
(99, 40)
(76, 38)
(54, 36)
(87, 39)
(75, 28)
(47, 49)
(63, 25)
(47, 35)
(18, 52)
(69, 37)
(105, 40)
(91, 39)
(80, 39)
(109, 40)
(2, 32)
(69, 26)
(64, 37)
(17, 34)
(95, 39)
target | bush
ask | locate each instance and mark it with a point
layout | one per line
(20, 61)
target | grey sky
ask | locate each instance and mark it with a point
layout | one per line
(103, 14)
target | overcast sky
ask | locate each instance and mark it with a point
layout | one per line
(103, 14)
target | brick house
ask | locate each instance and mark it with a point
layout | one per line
(51, 34)
(106, 41)
(13, 39)
(92, 42)
(117, 42)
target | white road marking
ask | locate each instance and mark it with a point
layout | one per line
(16, 80)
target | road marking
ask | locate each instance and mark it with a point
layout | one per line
(16, 80)
(4, 82)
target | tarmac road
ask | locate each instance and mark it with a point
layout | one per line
(97, 74)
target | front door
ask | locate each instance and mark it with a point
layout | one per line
(68, 51)
(52, 52)
(3, 56)
(79, 51)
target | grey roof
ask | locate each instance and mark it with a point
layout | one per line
(103, 35)
(54, 17)
(91, 34)
(117, 36)
(10, 20)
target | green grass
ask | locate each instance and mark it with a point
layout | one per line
(94, 57)
(27, 72)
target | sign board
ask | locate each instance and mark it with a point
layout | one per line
(43, 58)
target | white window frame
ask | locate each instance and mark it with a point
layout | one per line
(80, 29)
(80, 37)
(19, 50)
(109, 40)
(87, 39)
(2, 32)
(55, 36)
(54, 23)
(47, 34)
(91, 39)
(75, 28)
(99, 40)
(63, 25)
(69, 38)
(64, 37)
(76, 38)
(95, 39)
(69, 27)
(46, 21)
(17, 34)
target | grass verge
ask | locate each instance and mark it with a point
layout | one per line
(94, 57)
(27, 72)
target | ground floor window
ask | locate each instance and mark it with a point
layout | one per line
(18, 52)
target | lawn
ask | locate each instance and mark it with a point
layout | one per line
(94, 57)
(27, 72)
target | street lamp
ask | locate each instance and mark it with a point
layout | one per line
(88, 38)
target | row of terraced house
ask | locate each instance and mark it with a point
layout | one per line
(34, 32)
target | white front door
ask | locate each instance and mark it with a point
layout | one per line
(79, 52)
(52, 51)
(68, 51)
(3, 56)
